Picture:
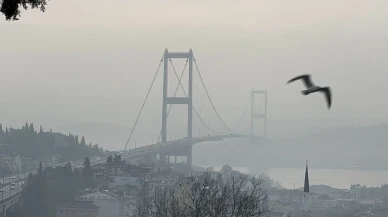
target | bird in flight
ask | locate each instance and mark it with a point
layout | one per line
(312, 88)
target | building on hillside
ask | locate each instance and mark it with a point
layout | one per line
(110, 205)
(321, 203)
(355, 192)
(279, 209)
(55, 159)
(6, 159)
(115, 170)
(119, 182)
(167, 177)
(140, 168)
(78, 208)
(99, 174)
(146, 176)
(18, 164)
(330, 192)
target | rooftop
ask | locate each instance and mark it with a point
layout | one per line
(78, 204)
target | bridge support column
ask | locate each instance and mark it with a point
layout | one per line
(189, 156)
(179, 100)
(259, 115)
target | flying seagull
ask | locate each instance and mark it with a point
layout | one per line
(312, 88)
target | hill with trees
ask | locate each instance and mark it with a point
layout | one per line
(37, 144)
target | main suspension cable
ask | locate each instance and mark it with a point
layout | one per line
(207, 93)
(245, 109)
(145, 100)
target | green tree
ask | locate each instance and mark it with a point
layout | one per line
(38, 145)
(117, 160)
(83, 143)
(109, 160)
(40, 169)
(51, 187)
(76, 141)
(87, 173)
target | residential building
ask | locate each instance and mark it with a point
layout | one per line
(355, 192)
(110, 205)
(99, 174)
(78, 208)
(279, 209)
(18, 164)
(119, 182)
(115, 170)
(321, 203)
(6, 159)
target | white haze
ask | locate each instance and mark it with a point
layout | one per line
(86, 65)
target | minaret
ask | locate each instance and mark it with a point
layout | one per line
(306, 191)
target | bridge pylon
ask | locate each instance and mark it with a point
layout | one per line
(262, 115)
(178, 100)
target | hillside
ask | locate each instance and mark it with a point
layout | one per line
(37, 144)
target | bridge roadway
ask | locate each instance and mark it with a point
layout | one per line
(8, 191)
(7, 180)
(175, 144)
(10, 196)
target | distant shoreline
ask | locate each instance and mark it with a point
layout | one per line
(310, 167)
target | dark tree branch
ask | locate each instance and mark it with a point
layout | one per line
(11, 8)
(238, 196)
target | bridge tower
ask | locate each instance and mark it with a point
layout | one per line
(259, 115)
(178, 100)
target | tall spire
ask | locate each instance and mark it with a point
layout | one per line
(306, 180)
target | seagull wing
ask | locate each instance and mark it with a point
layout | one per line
(306, 79)
(327, 92)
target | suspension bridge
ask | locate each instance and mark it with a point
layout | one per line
(189, 115)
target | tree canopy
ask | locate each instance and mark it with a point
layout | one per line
(11, 8)
(48, 188)
(36, 145)
(238, 196)
(87, 174)
(114, 161)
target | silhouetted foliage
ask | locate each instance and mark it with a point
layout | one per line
(11, 8)
(37, 145)
(87, 174)
(109, 160)
(114, 161)
(238, 196)
(49, 188)
(117, 159)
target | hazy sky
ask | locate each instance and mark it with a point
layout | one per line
(93, 61)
